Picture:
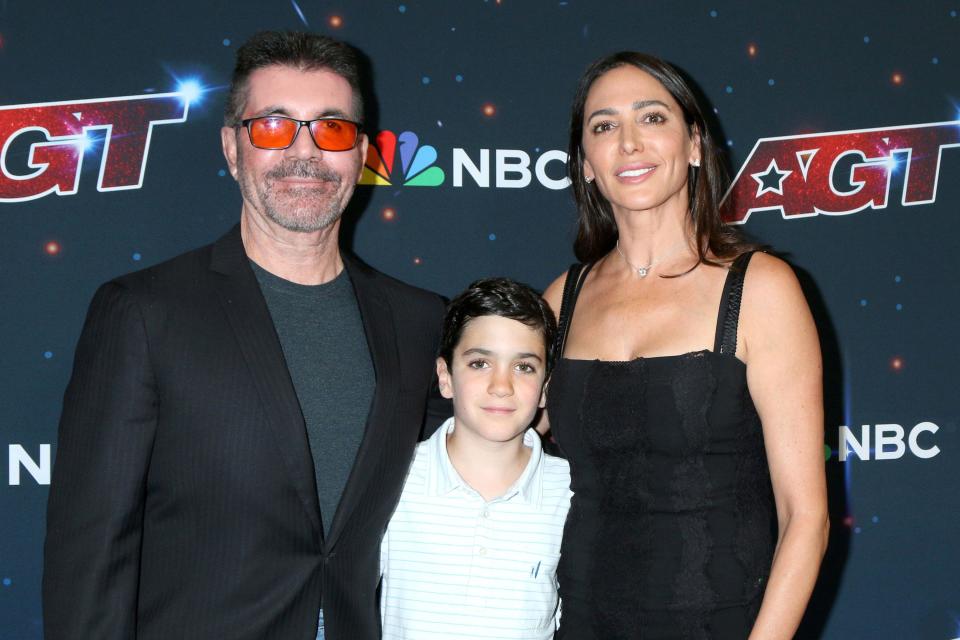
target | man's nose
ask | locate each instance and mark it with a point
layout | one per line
(303, 147)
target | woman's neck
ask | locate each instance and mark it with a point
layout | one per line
(654, 235)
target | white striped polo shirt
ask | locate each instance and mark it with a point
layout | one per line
(457, 566)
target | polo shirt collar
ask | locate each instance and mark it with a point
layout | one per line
(442, 477)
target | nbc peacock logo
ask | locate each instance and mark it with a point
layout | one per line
(416, 168)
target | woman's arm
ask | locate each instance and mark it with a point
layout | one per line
(784, 374)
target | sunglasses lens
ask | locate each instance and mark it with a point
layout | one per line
(332, 134)
(272, 133)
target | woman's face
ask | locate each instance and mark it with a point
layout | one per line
(636, 144)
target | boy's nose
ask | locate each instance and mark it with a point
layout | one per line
(500, 385)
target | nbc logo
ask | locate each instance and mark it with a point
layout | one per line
(502, 169)
(416, 162)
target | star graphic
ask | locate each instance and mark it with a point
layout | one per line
(770, 180)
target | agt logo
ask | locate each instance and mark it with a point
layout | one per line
(42, 146)
(511, 168)
(840, 173)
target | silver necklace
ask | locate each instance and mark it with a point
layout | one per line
(642, 271)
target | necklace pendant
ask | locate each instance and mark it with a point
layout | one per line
(643, 271)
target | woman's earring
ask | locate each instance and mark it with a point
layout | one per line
(588, 179)
(695, 164)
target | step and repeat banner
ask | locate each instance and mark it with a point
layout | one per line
(841, 123)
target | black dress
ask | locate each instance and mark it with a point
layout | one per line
(671, 528)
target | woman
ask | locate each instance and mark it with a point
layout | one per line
(688, 397)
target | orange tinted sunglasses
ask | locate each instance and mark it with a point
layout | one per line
(280, 132)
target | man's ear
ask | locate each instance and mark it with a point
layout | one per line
(228, 140)
(443, 376)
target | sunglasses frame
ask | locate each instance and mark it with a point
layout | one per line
(245, 123)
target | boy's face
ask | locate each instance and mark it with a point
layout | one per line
(496, 378)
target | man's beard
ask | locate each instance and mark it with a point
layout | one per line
(296, 208)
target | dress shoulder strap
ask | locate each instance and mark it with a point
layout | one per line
(728, 316)
(576, 274)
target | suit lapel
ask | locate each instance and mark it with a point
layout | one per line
(378, 325)
(254, 331)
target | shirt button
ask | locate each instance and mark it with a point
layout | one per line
(482, 551)
(485, 513)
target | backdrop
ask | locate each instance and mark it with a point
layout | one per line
(840, 121)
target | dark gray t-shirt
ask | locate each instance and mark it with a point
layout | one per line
(322, 337)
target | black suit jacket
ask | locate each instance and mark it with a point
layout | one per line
(183, 502)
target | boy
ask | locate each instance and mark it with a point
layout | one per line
(472, 549)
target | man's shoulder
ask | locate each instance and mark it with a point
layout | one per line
(183, 281)
(185, 265)
(181, 270)
(396, 289)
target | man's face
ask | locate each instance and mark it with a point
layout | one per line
(300, 188)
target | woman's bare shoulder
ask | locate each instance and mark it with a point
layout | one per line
(774, 310)
(770, 281)
(554, 293)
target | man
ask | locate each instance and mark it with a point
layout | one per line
(240, 419)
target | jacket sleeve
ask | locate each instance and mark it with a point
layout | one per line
(438, 407)
(96, 506)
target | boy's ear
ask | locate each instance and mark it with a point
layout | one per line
(443, 376)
